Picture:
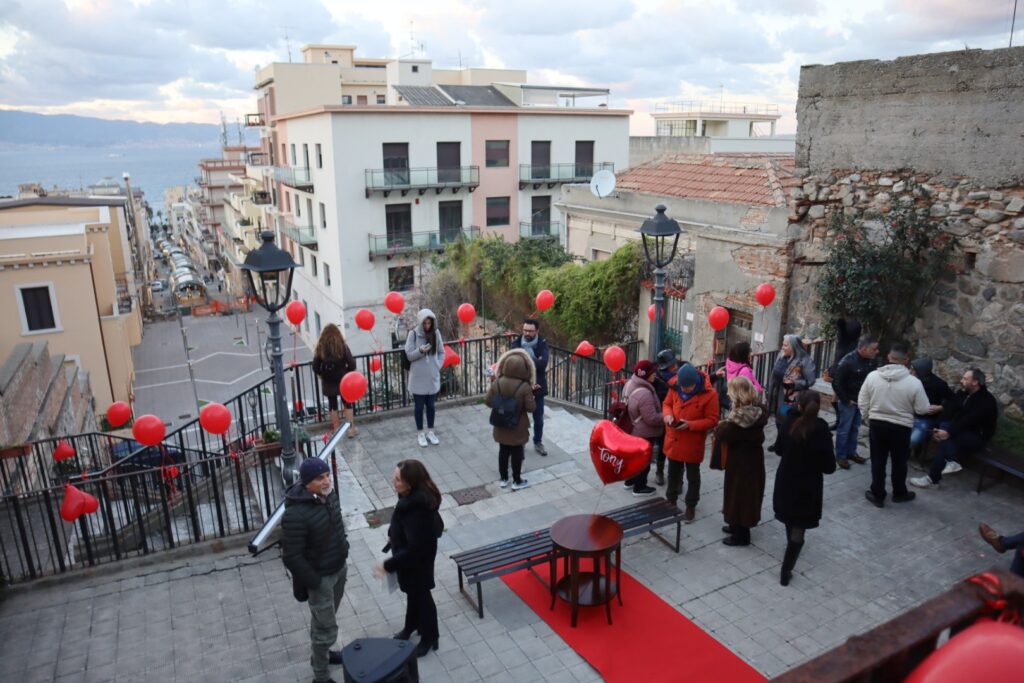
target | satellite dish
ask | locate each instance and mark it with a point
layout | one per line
(602, 184)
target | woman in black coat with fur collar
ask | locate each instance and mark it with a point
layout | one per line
(412, 539)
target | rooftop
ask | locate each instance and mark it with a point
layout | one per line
(734, 178)
(62, 201)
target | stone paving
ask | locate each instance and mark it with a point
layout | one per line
(226, 616)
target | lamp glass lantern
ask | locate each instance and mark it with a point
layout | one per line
(269, 271)
(660, 236)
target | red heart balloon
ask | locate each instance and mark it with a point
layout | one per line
(63, 451)
(74, 503)
(585, 348)
(450, 357)
(90, 503)
(616, 455)
(992, 652)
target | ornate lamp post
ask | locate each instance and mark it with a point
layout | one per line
(269, 271)
(660, 236)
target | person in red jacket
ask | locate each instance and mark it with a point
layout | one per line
(690, 410)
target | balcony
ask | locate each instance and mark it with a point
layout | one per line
(529, 229)
(409, 242)
(257, 159)
(553, 174)
(298, 232)
(387, 180)
(255, 120)
(294, 176)
(261, 198)
(694, 107)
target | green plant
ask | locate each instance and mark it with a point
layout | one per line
(271, 435)
(883, 276)
(1010, 434)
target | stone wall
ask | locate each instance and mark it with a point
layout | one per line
(644, 149)
(976, 315)
(950, 114)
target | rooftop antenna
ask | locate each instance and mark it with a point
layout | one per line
(223, 131)
(721, 95)
(1013, 22)
(288, 44)
(415, 49)
(602, 183)
(238, 130)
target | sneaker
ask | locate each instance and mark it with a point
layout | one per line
(516, 485)
(421, 438)
(952, 467)
(924, 482)
(503, 483)
(432, 438)
(627, 484)
(539, 447)
(644, 491)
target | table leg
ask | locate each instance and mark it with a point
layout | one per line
(574, 584)
(552, 571)
(608, 585)
(618, 573)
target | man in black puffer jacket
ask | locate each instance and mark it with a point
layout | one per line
(314, 549)
(847, 379)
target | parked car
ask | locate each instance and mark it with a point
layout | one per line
(158, 285)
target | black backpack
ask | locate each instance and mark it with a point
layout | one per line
(505, 409)
(618, 412)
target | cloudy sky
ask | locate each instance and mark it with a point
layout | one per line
(188, 60)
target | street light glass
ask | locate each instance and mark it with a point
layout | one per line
(660, 236)
(269, 271)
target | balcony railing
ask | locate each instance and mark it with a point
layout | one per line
(261, 198)
(551, 174)
(257, 159)
(405, 242)
(540, 229)
(294, 176)
(386, 180)
(712, 107)
(255, 119)
(298, 232)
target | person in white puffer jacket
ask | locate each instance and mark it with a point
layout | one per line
(888, 401)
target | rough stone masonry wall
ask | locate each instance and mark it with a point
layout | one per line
(976, 316)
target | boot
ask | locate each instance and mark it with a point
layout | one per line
(350, 417)
(659, 476)
(335, 421)
(789, 561)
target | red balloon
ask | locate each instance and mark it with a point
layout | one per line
(298, 406)
(63, 451)
(616, 455)
(148, 430)
(171, 472)
(215, 418)
(295, 312)
(614, 358)
(765, 294)
(353, 386)
(545, 300)
(77, 503)
(466, 313)
(365, 319)
(376, 363)
(718, 318)
(451, 358)
(585, 348)
(118, 413)
(990, 651)
(394, 302)
(650, 313)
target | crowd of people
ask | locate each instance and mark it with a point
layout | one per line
(676, 407)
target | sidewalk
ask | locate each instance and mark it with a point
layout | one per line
(231, 617)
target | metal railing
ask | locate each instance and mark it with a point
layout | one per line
(261, 198)
(257, 159)
(388, 179)
(561, 173)
(540, 229)
(710, 106)
(294, 176)
(400, 243)
(303, 234)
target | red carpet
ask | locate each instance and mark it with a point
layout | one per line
(649, 640)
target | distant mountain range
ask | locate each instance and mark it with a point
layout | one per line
(18, 128)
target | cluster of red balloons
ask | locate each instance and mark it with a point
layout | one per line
(77, 503)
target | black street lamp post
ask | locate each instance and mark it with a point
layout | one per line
(660, 236)
(269, 271)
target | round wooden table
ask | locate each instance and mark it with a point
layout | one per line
(581, 537)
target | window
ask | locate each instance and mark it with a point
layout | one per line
(295, 159)
(319, 156)
(540, 159)
(309, 212)
(600, 255)
(313, 264)
(305, 155)
(398, 223)
(327, 274)
(401, 279)
(584, 158)
(449, 160)
(284, 153)
(323, 216)
(381, 99)
(361, 99)
(287, 202)
(38, 308)
(306, 305)
(396, 163)
(415, 68)
(298, 207)
(449, 220)
(497, 153)
(302, 257)
(346, 99)
(317, 316)
(497, 211)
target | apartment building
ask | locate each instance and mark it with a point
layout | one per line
(374, 165)
(66, 278)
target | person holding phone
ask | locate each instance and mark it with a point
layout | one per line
(689, 411)
(425, 350)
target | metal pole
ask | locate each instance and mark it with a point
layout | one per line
(284, 425)
(188, 360)
(659, 311)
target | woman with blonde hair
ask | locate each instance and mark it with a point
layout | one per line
(331, 362)
(738, 449)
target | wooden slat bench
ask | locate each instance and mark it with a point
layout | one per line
(530, 549)
(1001, 459)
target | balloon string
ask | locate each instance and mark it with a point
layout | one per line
(600, 495)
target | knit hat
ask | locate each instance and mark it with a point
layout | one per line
(688, 376)
(311, 468)
(643, 369)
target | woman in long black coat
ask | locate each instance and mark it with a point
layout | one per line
(738, 442)
(805, 446)
(412, 539)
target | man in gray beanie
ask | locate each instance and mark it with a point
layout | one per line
(314, 549)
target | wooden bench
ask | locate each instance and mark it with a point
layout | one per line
(530, 549)
(1001, 459)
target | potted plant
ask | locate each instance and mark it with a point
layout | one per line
(269, 443)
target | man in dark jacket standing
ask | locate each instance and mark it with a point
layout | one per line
(847, 380)
(967, 424)
(537, 346)
(314, 549)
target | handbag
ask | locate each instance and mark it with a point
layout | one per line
(719, 454)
